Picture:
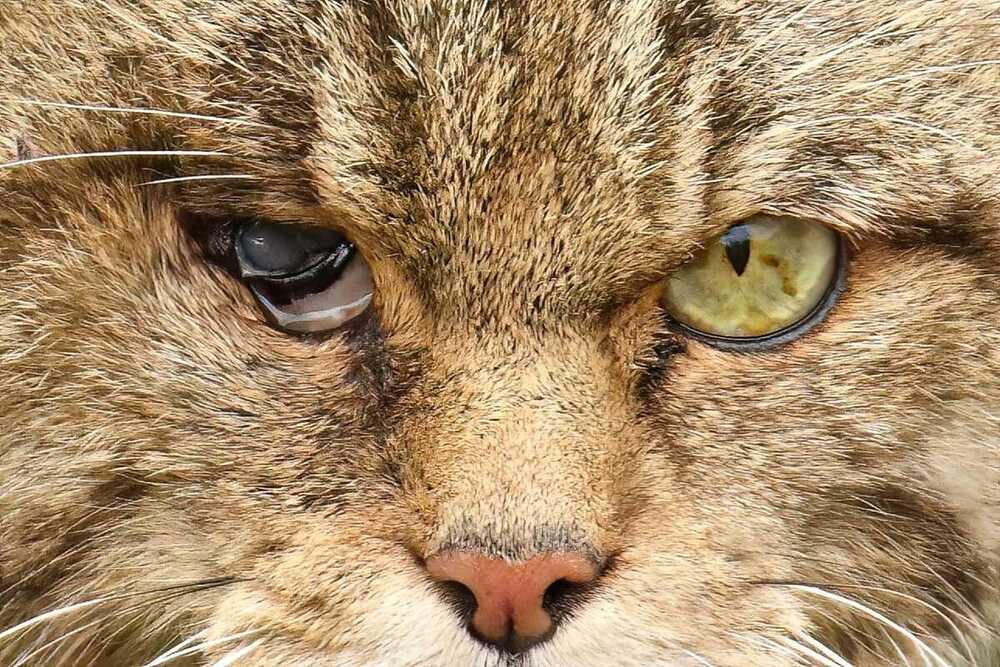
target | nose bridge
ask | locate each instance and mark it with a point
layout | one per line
(512, 402)
(518, 456)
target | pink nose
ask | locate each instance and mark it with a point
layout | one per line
(510, 596)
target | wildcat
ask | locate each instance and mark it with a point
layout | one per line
(541, 332)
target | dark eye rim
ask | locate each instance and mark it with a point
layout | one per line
(787, 334)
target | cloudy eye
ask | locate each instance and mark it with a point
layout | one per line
(307, 279)
(765, 280)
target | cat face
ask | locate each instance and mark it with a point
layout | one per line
(520, 449)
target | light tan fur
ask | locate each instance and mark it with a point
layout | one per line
(522, 177)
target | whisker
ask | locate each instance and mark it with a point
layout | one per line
(173, 594)
(231, 657)
(169, 654)
(937, 69)
(896, 647)
(62, 611)
(959, 635)
(701, 660)
(769, 38)
(103, 619)
(147, 605)
(802, 649)
(882, 31)
(81, 546)
(946, 614)
(950, 615)
(179, 651)
(205, 177)
(921, 646)
(962, 599)
(63, 556)
(819, 646)
(23, 659)
(141, 111)
(49, 615)
(890, 119)
(767, 642)
(78, 156)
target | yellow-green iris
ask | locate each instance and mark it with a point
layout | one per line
(762, 276)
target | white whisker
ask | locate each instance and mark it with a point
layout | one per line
(184, 649)
(169, 654)
(23, 659)
(701, 660)
(767, 642)
(824, 649)
(920, 645)
(169, 594)
(890, 119)
(937, 611)
(49, 615)
(141, 110)
(136, 611)
(769, 38)
(939, 69)
(101, 620)
(881, 31)
(231, 657)
(63, 556)
(100, 154)
(802, 649)
(895, 646)
(205, 177)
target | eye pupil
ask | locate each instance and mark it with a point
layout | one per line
(737, 244)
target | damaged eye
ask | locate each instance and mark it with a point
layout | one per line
(765, 280)
(306, 279)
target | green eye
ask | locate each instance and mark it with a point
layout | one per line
(763, 278)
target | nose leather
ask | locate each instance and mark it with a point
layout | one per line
(510, 596)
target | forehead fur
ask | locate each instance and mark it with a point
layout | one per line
(658, 123)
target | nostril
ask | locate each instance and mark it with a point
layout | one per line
(563, 596)
(556, 591)
(460, 598)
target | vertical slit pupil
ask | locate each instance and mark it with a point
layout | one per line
(737, 244)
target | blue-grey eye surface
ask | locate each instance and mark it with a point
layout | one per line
(281, 249)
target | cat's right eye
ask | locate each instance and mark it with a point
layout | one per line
(306, 279)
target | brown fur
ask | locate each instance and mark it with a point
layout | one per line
(522, 177)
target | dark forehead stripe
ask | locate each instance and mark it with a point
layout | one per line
(688, 25)
(518, 128)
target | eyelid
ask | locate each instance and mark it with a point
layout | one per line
(272, 250)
